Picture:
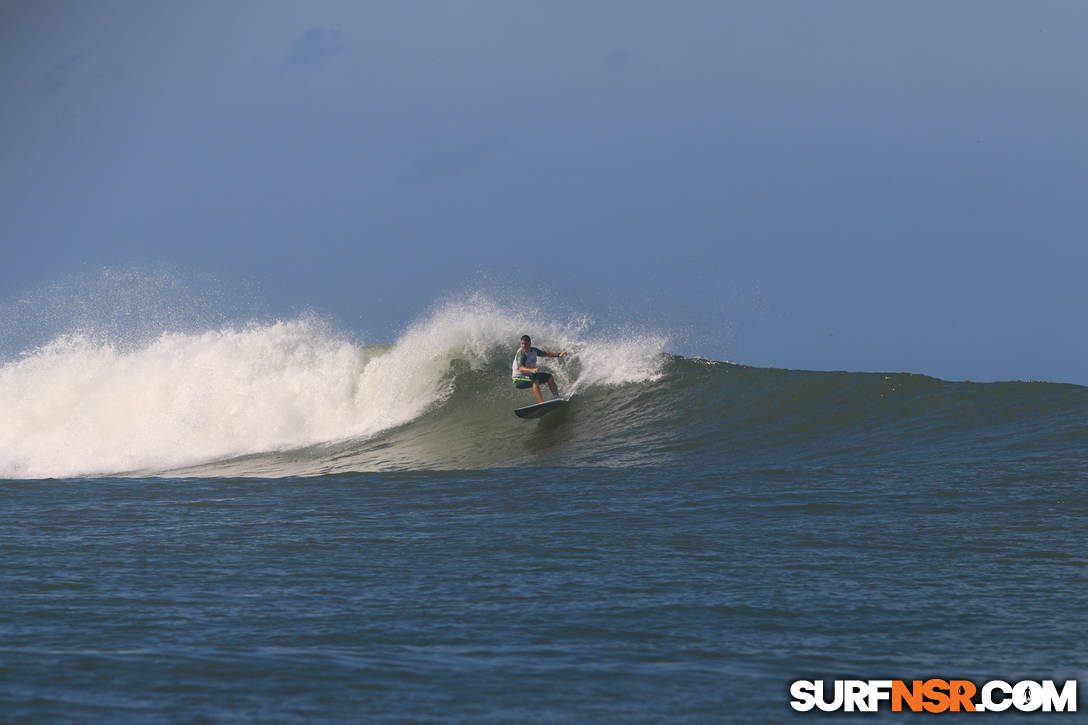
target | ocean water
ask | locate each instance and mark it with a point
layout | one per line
(274, 523)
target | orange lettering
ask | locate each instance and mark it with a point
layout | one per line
(961, 692)
(913, 695)
(937, 692)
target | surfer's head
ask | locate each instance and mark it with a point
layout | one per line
(526, 341)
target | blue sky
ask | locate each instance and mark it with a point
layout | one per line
(831, 185)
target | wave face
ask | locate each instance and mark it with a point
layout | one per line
(298, 398)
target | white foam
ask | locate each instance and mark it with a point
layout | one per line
(83, 406)
(78, 406)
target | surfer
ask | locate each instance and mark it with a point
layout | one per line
(527, 374)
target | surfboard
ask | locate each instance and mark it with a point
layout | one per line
(538, 409)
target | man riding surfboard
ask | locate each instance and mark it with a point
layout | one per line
(527, 374)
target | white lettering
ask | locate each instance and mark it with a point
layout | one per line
(1027, 696)
(804, 695)
(1065, 701)
(855, 695)
(834, 704)
(997, 705)
(879, 690)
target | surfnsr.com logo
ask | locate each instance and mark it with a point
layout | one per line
(933, 695)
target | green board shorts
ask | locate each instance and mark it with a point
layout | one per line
(526, 380)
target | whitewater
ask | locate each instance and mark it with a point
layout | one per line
(88, 404)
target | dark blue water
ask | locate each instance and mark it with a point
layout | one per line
(693, 592)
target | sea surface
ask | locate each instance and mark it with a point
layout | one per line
(274, 523)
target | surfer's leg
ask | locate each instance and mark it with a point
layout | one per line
(536, 392)
(552, 386)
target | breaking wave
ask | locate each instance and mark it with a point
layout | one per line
(298, 397)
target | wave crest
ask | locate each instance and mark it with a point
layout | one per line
(80, 405)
